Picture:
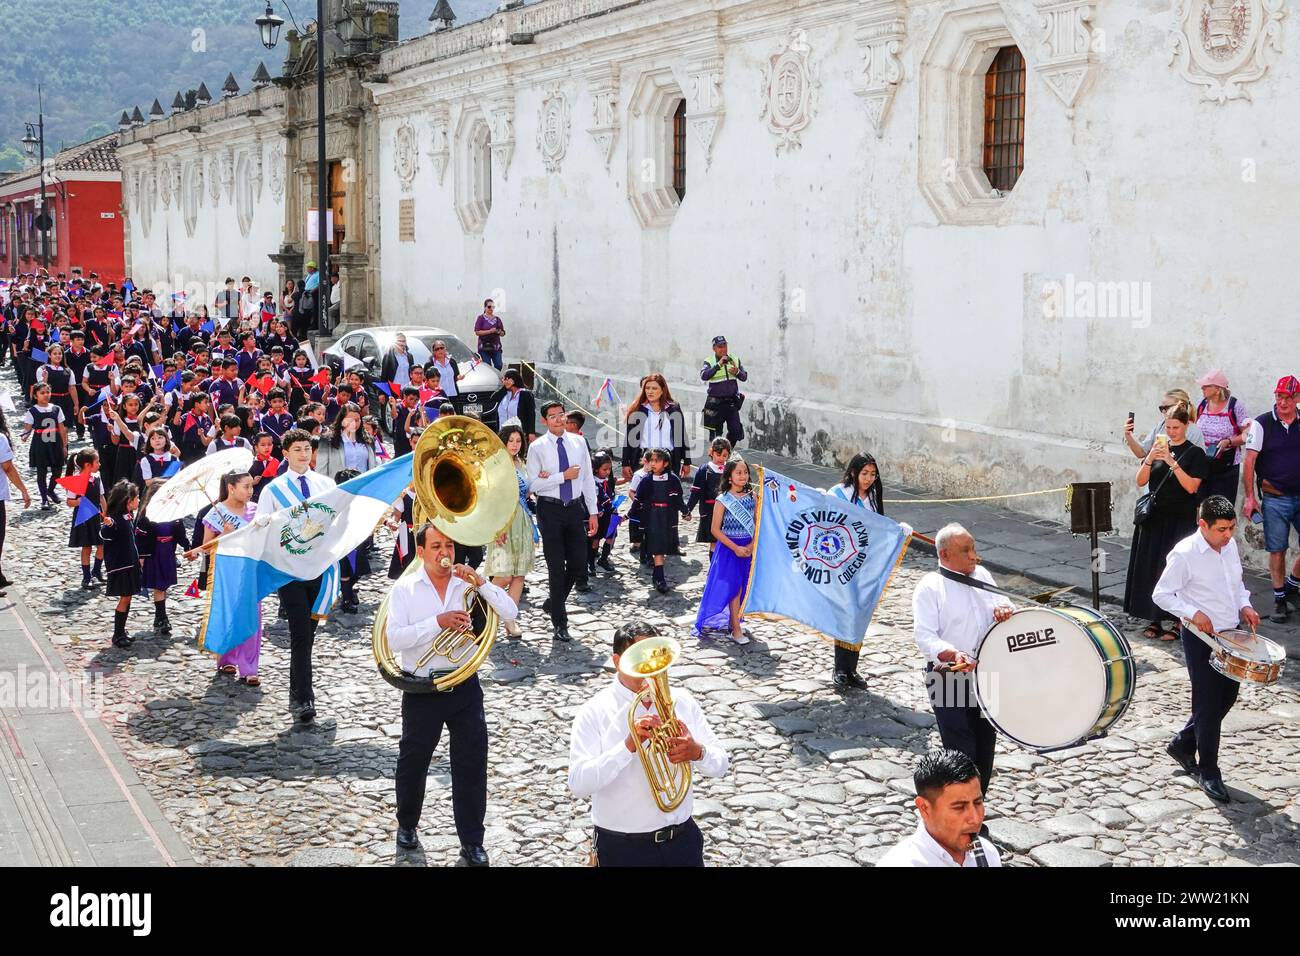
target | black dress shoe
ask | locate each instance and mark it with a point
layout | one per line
(408, 839)
(562, 634)
(1183, 759)
(546, 606)
(307, 712)
(662, 587)
(1215, 790)
(851, 679)
(1280, 612)
(473, 855)
(582, 587)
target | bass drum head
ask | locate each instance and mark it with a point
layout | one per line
(1040, 679)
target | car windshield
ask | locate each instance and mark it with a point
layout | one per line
(455, 347)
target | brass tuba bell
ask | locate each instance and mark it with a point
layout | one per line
(650, 659)
(465, 484)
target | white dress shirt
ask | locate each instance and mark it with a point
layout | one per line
(602, 768)
(657, 432)
(951, 616)
(921, 849)
(413, 613)
(268, 503)
(543, 456)
(508, 407)
(1198, 578)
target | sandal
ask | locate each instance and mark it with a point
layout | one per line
(251, 681)
(1167, 635)
(1153, 631)
(228, 669)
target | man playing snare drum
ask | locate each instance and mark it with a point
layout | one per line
(1202, 583)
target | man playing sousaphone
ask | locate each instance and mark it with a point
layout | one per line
(632, 829)
(422, 606)
(1202, 585)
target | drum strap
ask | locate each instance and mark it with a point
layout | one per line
(972, 582)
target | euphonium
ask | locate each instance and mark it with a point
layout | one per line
(650, 659)
(465, 484)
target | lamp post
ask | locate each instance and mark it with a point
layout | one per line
(268, 24)
(35, 138)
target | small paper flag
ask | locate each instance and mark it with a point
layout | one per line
(74, 484)
(193, 589)
(39, 356)
(171, 469)
(86, 509)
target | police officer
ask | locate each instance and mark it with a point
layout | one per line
(724, 375)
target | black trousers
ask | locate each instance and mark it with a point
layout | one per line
(297, 598)
(423, 717)
(962, 725)
(686, 848)
(564, 543)
(846, 661)
(1212, 697)
(472, 557)
(720, 413)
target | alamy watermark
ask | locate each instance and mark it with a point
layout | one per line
(1074, 298)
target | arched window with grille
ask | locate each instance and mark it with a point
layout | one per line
(679, 150)
(1004, 119)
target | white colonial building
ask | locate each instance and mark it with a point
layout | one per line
(968, 236)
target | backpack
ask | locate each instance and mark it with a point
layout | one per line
(1232, 411)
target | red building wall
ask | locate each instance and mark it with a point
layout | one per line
(84, 237)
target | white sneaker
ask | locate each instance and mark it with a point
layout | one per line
(741, 640)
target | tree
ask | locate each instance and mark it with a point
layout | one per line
(11, 159)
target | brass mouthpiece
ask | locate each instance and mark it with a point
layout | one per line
(444, 562)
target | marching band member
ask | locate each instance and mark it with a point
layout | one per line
(950, 618)
(299, 599)
(422, 606)
(950, 803)
(1202, 583)
(631, 830)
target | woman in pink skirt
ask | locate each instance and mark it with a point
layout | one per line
(235, 509)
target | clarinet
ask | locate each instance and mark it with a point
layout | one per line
(977, 851)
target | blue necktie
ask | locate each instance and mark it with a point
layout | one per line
(565, 494)
(306, 490)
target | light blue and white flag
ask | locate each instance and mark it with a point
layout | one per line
(297, 543)
(818, 560)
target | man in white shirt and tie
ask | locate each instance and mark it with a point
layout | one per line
(421, 607)
(950, 804)
(949, 618)
(631, 830)
(559, 474)
(1202, 583)
(294, 485)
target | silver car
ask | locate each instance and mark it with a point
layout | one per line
(370, 345)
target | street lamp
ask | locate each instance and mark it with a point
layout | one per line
(268, 24)
(32, 141)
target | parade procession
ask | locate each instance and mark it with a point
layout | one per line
(398, 469)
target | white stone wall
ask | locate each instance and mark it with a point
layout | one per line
(878, 299)
(200, 208)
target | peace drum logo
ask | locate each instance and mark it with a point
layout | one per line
(828, 546)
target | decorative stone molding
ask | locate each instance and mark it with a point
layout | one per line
(277, 171)
(440, 150)
(951, 99)
(255, 168)
(605, 123)
(1222, 45)
(165, 185)
(148, 185)
(406, 154)
(503, 132)
(789, 92)
(650, 148)
(214, 180)
(704, 106)
(553, 125)
(474, 161)
(228, 174)
(880, 34)
(242, 189)
(191, 194)
(1066, 57)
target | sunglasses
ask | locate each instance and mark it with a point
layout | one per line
(1163, 408)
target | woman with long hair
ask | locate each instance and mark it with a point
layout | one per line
(234, 509)
(733, 529)
(512, 554)
(861, 484)
(654, 420)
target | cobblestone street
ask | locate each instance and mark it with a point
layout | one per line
(816, 778)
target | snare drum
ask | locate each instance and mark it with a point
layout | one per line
(1246, 657)
(1053, 677)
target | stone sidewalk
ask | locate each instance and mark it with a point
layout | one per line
(68, 796)
(1038, 549)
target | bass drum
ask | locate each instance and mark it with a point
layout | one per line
(1051, 678)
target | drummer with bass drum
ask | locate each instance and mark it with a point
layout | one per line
(950, 618)
(1202, 583)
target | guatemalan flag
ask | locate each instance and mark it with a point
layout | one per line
(819, 559)
(297, 543)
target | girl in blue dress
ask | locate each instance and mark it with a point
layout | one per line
(733, 529)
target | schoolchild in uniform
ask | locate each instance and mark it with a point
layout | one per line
(704, 490)
(86, 535)
(660, 496)
(121, 555)
(45, 425)
(157, 543)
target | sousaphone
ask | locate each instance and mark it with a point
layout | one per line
(464, 481)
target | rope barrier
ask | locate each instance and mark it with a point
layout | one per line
(559, 391)
(949, 501)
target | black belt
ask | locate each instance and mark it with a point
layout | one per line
(556, 501)
(655, 836)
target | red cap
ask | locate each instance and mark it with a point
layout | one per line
(1287, 385)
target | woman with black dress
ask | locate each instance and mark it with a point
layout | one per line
(121, 555)
(1173, 470)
